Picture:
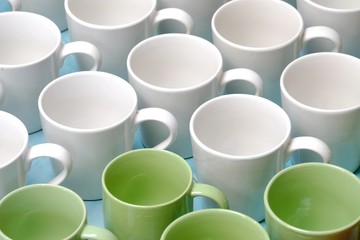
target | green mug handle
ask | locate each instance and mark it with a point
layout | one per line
(97, 233)
(209, 191)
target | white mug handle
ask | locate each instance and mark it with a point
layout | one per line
(53, 151)
(173, 14)
(162, 116)
(308, 143)
(244, 75)
(81, 47)
(15, 4)
(325, 33)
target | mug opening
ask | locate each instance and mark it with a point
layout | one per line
(259, 24)
(26, 38)
(88, 100)
(186, 61)
(48, 212)
(110, 13)
(147, 178)
(240, 125)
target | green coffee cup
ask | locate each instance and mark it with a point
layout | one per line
(46, 212)
(218, 224)
(313, 201)
(145, 190)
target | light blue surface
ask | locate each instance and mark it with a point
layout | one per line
(41, 170)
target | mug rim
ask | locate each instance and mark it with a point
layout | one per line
(75, 18)
(298, 103)
(205, 212)
(161, 37)
(331, 9)
(81, 74)
(250, 157)
(108, 193)
(21, 127)
(257, 49)
(58, 188)
(268, 209)
(54, 31)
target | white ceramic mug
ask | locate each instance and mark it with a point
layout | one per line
(240, 142)
(115, 27)
(94, 115)
(52, 9)
(343, 16)
(265, 36)
(16, 155)
(31, 54)
(201, 12)
(190, 74)
(320, 93)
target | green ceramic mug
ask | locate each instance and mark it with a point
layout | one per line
(215, 224)
(44, 212)
(313, 201)
(145, 190)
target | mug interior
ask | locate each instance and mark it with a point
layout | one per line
(26, 38)
(214, 224)
(343, 4)
(13, 138)
(175, 61)
(147, 177)
(88, 100)
(39, 212)
(318, 197)
(240, 125)
(257, 23)
(110, 12)
(327, 81)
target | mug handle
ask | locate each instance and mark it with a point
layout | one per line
(97, 233)
(323, 32)
(15, 4)
(244, 75)
(81, 47)
(175, 14)
(162, 116)
(209, 191)
(2, 93)
(53, 151)
(308, 143)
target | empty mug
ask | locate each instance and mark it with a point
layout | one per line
(320, 93)
(95, 115)
(145, 190)
(239, 143)
(43, 212)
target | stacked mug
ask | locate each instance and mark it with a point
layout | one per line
(169, 119)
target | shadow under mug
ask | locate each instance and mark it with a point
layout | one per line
(144, 190)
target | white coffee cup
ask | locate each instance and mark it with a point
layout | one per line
(52, 9)
(320, 93)
(115, 27)
(343, 16)
(265, 36)
(179, 72)
(16, 155)
(31, 54)
(94, 115)
(201, 12)
(240, 142)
